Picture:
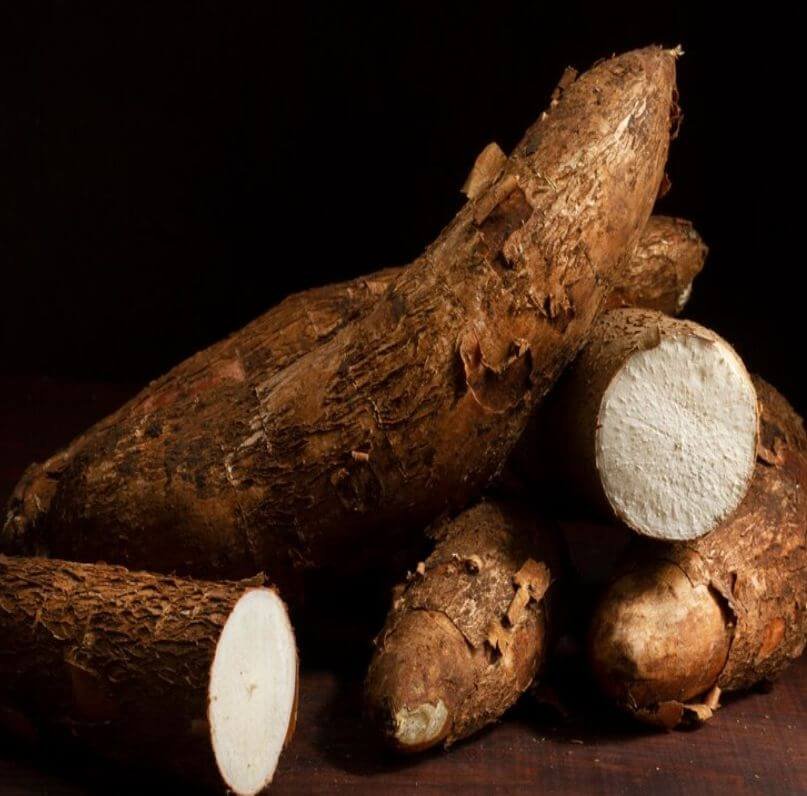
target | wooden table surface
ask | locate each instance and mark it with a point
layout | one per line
(757, 743)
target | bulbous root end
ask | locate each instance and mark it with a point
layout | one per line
(658, 640)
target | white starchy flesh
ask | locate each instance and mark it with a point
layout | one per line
(252, 691)
(676, 437)
(420, 726)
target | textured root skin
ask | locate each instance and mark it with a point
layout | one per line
(572, 417)
(660, 272)
(740, 592)
(121, 659)
(223, 466)
(463, 639)
(277, 339)
(657, 276)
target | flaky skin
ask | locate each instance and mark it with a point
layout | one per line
(726, 611)
(120, 659)
(659, 274)
(467, 631)
(224, 466)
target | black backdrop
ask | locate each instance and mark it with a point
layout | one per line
(171, 170)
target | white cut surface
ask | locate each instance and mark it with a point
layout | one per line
(421, 725)
(253, 681)
(676, 442)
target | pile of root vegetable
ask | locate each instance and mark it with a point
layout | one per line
(522, 392)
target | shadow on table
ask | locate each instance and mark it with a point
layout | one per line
(68, 769)
(565, 710)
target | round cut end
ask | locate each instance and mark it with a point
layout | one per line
(676, 441)
(421, 727)
(253, 684)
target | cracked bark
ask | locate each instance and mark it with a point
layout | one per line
(120, 660)
(435, 383)
(467, 632)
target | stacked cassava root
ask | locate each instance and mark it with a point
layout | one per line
(330, 431)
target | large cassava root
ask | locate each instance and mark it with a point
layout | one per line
(228, 464)
(195, 677)
(658, 275)
(655, 422)
(723, 613)
(467, 632)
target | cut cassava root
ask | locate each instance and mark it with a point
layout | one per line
(656, 422)
(195, 677)
(723, 613)
(226, 467)
(467, 632)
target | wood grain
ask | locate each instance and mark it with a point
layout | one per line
(757, 743)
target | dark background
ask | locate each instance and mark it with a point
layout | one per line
(171, 170)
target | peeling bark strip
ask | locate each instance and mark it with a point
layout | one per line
(194, 677)
(233, 462)
(465, 638)
(724, 612)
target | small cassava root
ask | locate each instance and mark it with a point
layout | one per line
(234, 462)
(659, 273)
(467, 632)
(193, 677)
(685, 621)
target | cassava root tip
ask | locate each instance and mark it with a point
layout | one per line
(464, 639)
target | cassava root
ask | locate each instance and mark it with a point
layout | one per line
(684, 622)
(654, 423)
(194, 677)
(228, 465)
(468, 630)
(659, 273)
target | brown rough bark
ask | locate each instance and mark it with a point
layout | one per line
(467, 631)
(224, 466)
(724, 612)
(119, 659)
(660, 272)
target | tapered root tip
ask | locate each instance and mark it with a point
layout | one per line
(420, 727)
(416, 679)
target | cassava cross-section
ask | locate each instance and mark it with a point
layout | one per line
(194, 677)
(725, 612)
(656, 423)
(226, 466)
(467, 632)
